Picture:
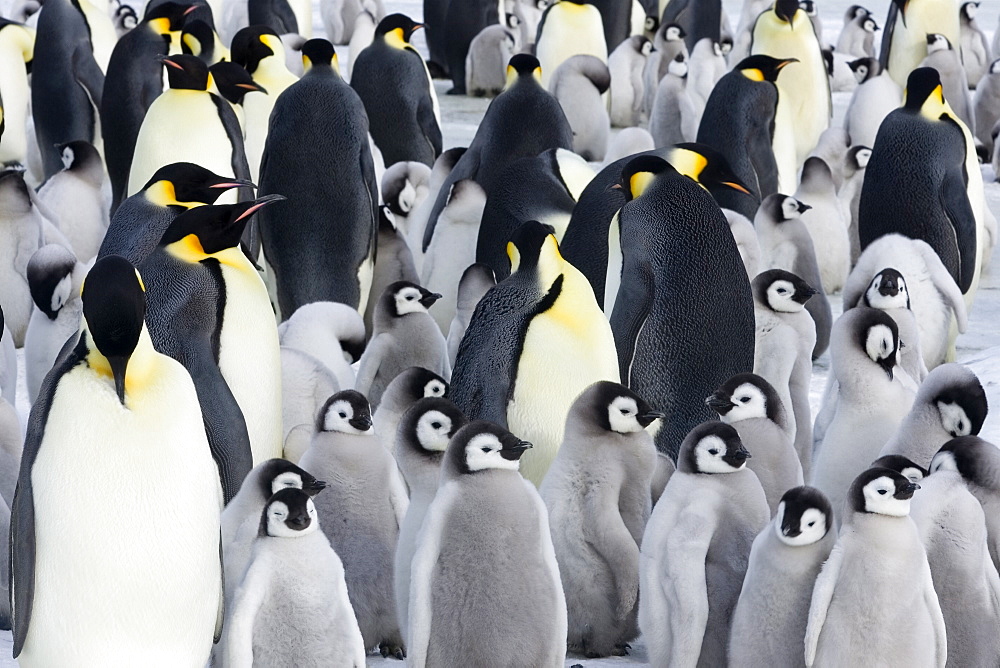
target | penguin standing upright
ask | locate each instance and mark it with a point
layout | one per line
(569, 28)
(616, 17)
(391, 79)
(682, 280)
(21, 228)
(626, 63)
(320, 243)
(277, 15)
(904, 40)
(464, 20)
(17, 43)
(579, 84)
(435, 13)
(975, 47)
(200, 39)
(75, 198)
(116, 407)
(875, 97)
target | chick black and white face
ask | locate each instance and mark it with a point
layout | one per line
(647, 46)
(347, 417)
(485, 451)
(869, 25)
(713, 455)
(790, 208)
(970, 9)
(888, 290)
(291, 519)
(880, 343)
(748, 403)
(408, 301)
(954, 419)
(944, 461)
(781, 297)
(434, 388)
(861, 73)
(884, 496)
(862, 157)
(678, 66)
(434, 430)
(797, 525)
(672, 33)
(68, 156)
(937, 42)
(407, 197)
(286, 480)
(623, 414)
(902, 465)
(650, 23)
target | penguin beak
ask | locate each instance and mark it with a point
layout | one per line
(234, 183)
(787, 61)
(253, 86)
(362, 423)
(298, 522)
(417, 27)
(803, 207)
(789, 530)
(742, 454)
(315, 487)
(646, 419)
(169, 63)
(260, 203)
(118, 365)
(429, 298)
(887, 366)
(907, 490)
(514, 451)
(736, 186)
(191, 8)
(719, 404)
(805, 294)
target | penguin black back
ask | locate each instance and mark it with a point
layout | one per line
(275, 14)
(462, 22)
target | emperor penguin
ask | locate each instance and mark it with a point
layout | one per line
(190, 123)
(872, 400)
(278, 15)
(418, 446)
(857, 38)
(784, 340)
(950, 403)
(489, 53)
(143, 426)
(134, 79)
(741, 112)
(17, 45)
(76, 198)
(139, 222)
(662, 209)
(392, 81)
(234, 83)
(618, 19)
(668, 44)
(259, 50)
(534, 343)
(597, 523)
(476, 281)
(241, 516)
(904, 39)
(975, 47)
(332, 333)
(769, 623)
(826, 221)
(579, 84)
(785, 243)
(878, 557)
(405, 335)
(875, 97)
(393, 264)
(462, 22)
(484, 560)
(434, 15)
(696, 548)
(74, 44)
(900, 464)
(21, 227)
(419, 212)
(804, 102)
(751, 405)
(198, 38)
(569, 28)
(210, 311)
(405, 186)
(292, 607)
(986, 104)
(943, 56)
(405, 389)
(314, 260)
(673, 118)
(360, 511)
(54, 280)
(626, 64)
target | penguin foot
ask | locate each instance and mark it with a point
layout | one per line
(456, 91)
(388, 649)
(621, 650)
(437, 71)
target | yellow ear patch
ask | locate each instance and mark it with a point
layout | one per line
(335, 63)
(395, 39)
(193, 44)
(139, 278)
(934, 105)
(306, 64)
(190, 250)
(688, 163)
(753, 74)
(514, 256)
(639, 182)
(537, 73)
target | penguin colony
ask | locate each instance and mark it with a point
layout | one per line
(308, 385)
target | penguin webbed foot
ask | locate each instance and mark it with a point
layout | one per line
(391, 649)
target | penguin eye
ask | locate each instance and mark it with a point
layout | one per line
(782, 291)
(342, 414)
(881, 491)
(436, 425)
(485, 449)
(409, 298)
(811, 523)
(278, 514)
(289, 483)
(745, 400)
(713, 451)
(624, 411)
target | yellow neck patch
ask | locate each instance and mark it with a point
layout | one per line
(394, 38)
(190, 250)
(192, 43)
(160, 26)
(514, 256)
(753, 74)
(639, 182)
(141, 368)
(934, 105)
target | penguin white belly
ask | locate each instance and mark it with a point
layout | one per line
(303, 16)
(79, 210)
(562, 355)
(909, 40)
(613, 278)
(102, 33)
(14, 84)
(783, 145)
(181, 126)
(257, 109)
(573, 30)
(250, 358)
(127, 509)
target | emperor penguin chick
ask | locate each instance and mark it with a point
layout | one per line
(292, 606)
(405, 335)
(826, 223)
(975, 48)
(888, 292)
(476, 281)
(769, 624)
(420, 443)
(696, 547)
(597, 492)
(579, 84)
(405, 389)
(361, 512)
(750, 404)
(626, 64)
(878, 557)
(484, 562)
(75, 197)
(943, 57)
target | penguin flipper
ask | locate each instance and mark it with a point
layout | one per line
(632, 306)
(945, 284)
(249, 596)
(823, 590)
(88, 74)
(371, 359)
(429, 126)
(765, 166)
(467, 167)
(955, 201)
(887, 30)
(684, 584)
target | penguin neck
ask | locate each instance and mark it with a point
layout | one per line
(142, 364)
(190, 250)
(272, 70)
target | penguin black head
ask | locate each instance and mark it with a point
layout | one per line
(252, 45)
(865, 69)
(79, 155)
(428, 426)
(746, 396)
(782, 207)
(187, 182)
(399, 26)
(347, 412)
(882, 491)
(278, 474)
(168, 16)
(50, 278)
(938, 42)
(785, 10)
(615, 408)
(903, 465)
(234, 82)
(672, 32)
(114, 306)
(976, 460)
(319, 53)
(14, 197)
(968, 10)
(527, 244)
(808, 6)
(124, 19)
(419, 383)
(639, 172)
(878, 336)
(887, 290)
(804, 516)
(523, 66)
(403, 298)
(399, 186)
(289, 513)
(963, 407)
(198, 39)
(706, 166)
(642, 45)
(923, 83)
(651, 23)
(712, 447)
(186, 72)
(763, 68)
(484, 446)
(868, 24)
(781, 290)
(214, 228)
(854, 12)
(857, 158)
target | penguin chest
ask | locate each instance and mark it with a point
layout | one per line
(249, 358)
(126, 504)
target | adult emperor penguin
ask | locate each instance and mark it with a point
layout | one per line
(878, 557)
(292, 606)
(17, 44)
(141, 425)
(569, 28)
(190, 123)
(484, 560)
(68, 76)
(418, 447)
(769, 623)
(314, 259)
(535, 342)
(139, 222)
(597, 524)
(392, 81)
(462, 22)
(804, 103)
(739, 120)
(679, 264)
(134, 79)
(904, 40)
(210, 311)
(696, 548)
(200, 39)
